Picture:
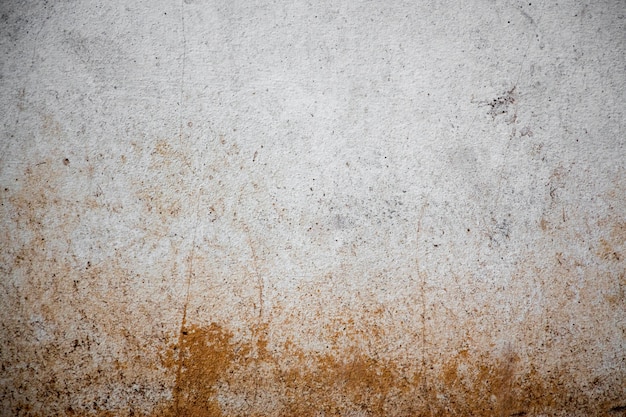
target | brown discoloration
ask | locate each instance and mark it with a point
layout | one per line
(51, 127)
(241, 367)
(607, 252)
(349, 382)
(611, 247)
(306, 382)
(207, 353)
(65, 338)
(618, 233)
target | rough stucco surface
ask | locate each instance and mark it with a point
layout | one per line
(359, 208)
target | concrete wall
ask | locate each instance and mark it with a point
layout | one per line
(355, 208)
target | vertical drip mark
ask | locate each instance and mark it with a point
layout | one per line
(506, 395)
(183, 322)
(422, 278)
(36, 42)
(182, 72)
(259, 329)
(509, 97)
(260, 283)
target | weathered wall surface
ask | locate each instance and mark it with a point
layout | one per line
(359, 208)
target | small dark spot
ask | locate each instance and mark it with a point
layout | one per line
(88, 264)
(66, 162)
(618, 409)
(185, 332)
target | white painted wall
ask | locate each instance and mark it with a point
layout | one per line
(313, 208)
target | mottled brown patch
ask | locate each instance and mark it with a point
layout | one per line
(610, 248)
(69, 334)
(254, 379)
(164, 149)
(201, 360)
(607, 252)
(64, 336)
(51, 127)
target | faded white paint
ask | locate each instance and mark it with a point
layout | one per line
(419, 196)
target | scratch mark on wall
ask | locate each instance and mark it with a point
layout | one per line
(36, 41)
(422, 278)
(260, 283)
(182, 72)
(183, 331)
(500, 106)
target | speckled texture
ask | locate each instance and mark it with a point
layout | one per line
(362, 208)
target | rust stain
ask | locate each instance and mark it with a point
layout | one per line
(348, 382)
(607, 251)
(611, 247)
(310, 384)
(245, 372)
(63, 340)
(206, 353)
(51, 127)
